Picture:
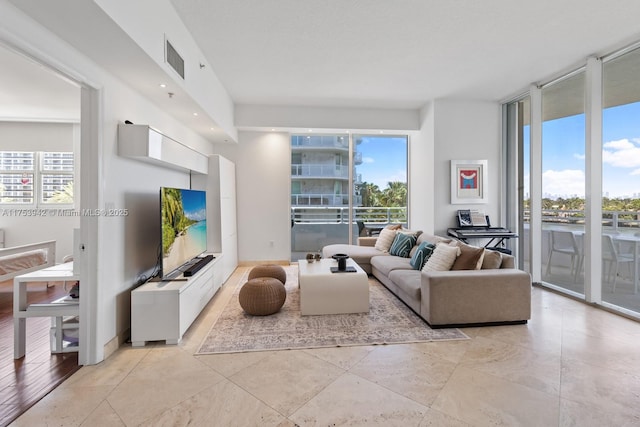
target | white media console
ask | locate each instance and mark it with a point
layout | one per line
(165, 310)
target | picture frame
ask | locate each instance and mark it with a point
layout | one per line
(469, 182)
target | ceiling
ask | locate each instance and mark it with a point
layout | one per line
(347, 53)
(398, 54)
(32, 92)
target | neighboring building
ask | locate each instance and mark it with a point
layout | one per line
(320, 170)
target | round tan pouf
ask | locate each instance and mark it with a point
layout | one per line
(262, 296)
(269, 270)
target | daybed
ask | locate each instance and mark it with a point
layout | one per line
(27, 258)
(490, 290)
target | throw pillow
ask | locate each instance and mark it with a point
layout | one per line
(385, 239)
(470, 258)
(491, 260)
(394, 226)
(442, 258)
(421, 255)
(402, 244)
(407, 231)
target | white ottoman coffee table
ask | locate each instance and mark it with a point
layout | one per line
(324, 292)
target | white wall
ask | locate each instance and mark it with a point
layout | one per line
(263, 186)
(23, 229)
(202, 84)
(421, 173)
(465, 130)
(127, 245)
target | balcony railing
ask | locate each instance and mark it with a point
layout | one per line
(320, 141)
(319, 171)
(323, 200)
(623, 220)
(340, 215)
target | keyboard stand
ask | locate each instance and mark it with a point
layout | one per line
(496, 235)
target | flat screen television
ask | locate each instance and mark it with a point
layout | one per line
(184, 228)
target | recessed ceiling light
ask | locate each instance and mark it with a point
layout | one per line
(213, 128)
(195, 114)
(163, 85)
(273, 130)
(381, 131)
(310, 130)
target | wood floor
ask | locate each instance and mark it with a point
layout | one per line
(25, 381)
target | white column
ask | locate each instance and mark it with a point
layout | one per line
(593, 176)
(535, 181)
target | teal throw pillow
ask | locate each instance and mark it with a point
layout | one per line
(421, 255)
(402, 244)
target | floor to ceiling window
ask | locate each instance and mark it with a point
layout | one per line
(563, 182)
(621, 180)
(518, 150)
(562, 178)
(344, 186)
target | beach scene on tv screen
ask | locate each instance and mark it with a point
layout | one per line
(184, 226)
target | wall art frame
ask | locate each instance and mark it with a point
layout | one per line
(469, 182)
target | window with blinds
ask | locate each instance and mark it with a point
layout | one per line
(33, 178)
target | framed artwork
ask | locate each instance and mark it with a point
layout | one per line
(468, 181)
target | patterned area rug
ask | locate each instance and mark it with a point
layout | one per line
(389, 321)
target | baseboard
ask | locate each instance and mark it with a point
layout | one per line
(115, 343)
(475, 325)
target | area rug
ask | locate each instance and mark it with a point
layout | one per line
(389, 321)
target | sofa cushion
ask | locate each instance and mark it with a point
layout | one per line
(491, 260)
(470, 258)
(408, 281)
(442, 258)
(430, 238)
(385, 264)
(385, 239)
(421, 255)
(360, 254)
(402, 244)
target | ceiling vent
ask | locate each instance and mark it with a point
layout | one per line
(173, 58)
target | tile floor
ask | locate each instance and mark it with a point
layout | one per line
(572, 365)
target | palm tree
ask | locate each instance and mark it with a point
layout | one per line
(395, 195)
(64, 195)
(370, 194)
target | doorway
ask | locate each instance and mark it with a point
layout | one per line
(40, 106)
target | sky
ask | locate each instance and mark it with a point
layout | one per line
(384, 159)
(194, 204)
(563, 154)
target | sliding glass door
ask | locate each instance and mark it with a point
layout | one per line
(595, 258)
(344, 186)
(621, 181)
(563, 183)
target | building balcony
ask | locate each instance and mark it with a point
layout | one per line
(320, 141)
(322, 171)
(323, 199)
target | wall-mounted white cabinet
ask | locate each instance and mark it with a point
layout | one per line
(144, 143)
(222, 233)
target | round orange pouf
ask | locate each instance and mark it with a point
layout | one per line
(262, 296)
(269, 270)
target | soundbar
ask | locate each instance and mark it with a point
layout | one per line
(198, 265)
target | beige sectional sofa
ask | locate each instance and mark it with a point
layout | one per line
(448, 298)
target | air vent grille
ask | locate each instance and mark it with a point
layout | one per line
(174, 59)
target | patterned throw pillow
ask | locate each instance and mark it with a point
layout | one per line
(442, 258)
(402, 244)
(385, 239)
(421, 255)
